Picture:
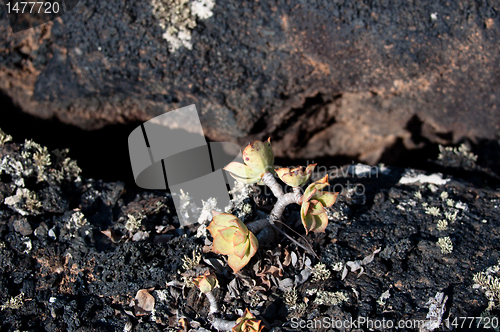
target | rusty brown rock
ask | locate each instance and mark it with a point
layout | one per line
(323, 79)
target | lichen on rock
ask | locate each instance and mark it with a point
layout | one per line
(178, 17)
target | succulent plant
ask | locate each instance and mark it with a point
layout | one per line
(247, 323)
(206, 282)
(258, 159)
(314, 201)
(295, 177)
(232, 238)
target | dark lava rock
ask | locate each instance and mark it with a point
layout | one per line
(22, 226)
(81, 269)
(363, 79)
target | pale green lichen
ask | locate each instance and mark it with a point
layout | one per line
(290, 298)
(178, 17)
(433, 211)
(14, 303)
(489, 282)
(4, 138)
(330, 298)
(457, 157)
(451, 216)
(24, 202)
(190, 263)
(445, 245)
(134, 223)
(444, 195)
(418, 195)
(442, 225)
(320, 272)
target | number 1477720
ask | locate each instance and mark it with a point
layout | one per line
(487, 322)
(32, 7)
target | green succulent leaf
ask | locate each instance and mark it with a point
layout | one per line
(258, 158)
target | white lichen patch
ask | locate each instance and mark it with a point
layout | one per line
(411, 176)
(445, 244)
(178, 17)
(384, 296)
(206, 212)
(239, 204)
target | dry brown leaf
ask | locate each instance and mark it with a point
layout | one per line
(144, 302)
(184, 324)
(275, 271)
(115, 238)
(288, 258)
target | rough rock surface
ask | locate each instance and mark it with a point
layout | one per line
(74, 252)
(362, 79)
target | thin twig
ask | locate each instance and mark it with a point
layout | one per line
(296, 242)
(309, 246)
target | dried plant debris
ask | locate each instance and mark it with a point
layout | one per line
(144, 302)
(434, 317)
(359, 264)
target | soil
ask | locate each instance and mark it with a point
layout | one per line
(76, 251)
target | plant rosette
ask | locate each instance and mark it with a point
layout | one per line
(314, 201)
(232, 238)
(206, 282)
(247, 323)
(258, 159)
(295, 177)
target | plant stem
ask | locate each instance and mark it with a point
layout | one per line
(214, 307)
(297, 190)
(218, 323)
(257, 225)
(222, 324)
(270, 181)
(281, 204)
